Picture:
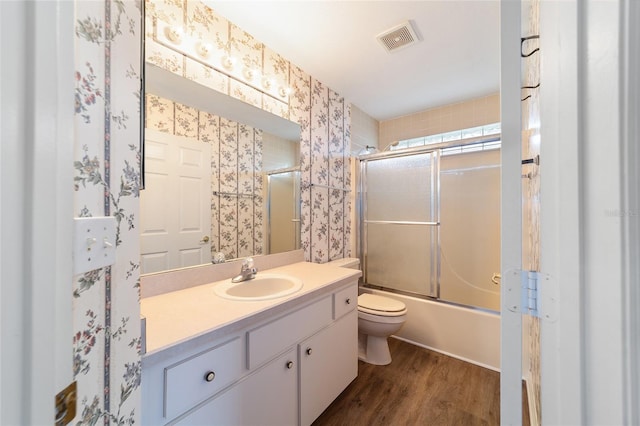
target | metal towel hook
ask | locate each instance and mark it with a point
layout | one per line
(522, 40)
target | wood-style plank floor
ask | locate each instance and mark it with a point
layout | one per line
(419, 387)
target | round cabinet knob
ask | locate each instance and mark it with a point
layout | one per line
(348, 301)
(309, 351)
(290, 365)
(210, 376)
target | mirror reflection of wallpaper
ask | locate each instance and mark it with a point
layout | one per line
(323, 115)
(236, 165)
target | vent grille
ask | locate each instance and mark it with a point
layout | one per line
(398, 37)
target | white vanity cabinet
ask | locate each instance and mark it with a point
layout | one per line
(280, 371)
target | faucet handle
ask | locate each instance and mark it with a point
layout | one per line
(247, 263)
(218, 257)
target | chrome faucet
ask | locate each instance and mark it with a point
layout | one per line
(247, 271)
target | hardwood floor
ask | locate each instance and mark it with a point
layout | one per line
(420, 387)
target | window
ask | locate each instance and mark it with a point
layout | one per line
(457, 135)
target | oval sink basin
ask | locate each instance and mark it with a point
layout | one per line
(262, 287)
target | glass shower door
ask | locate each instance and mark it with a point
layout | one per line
(401, 222)
(470, 229)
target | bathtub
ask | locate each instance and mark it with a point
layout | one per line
(468, 334)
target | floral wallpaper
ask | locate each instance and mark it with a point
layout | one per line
(324, 117)
(106, 340)
(237, 205)
(300, 105)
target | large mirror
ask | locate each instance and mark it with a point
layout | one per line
(222, 177)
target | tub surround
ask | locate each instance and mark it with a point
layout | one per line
(195, 314)
(470, 335)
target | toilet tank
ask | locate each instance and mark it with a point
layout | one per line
(347, 262)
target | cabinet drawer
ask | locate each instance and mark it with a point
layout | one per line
(190, 381)
(268, 397)
(266, 341)
(345, 301)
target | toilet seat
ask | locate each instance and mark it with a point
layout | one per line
(380, 305)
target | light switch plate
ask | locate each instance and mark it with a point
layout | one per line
(94, 243)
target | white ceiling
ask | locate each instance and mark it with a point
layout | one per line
(335, 41)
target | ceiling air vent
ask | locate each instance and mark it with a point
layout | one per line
(398, 37)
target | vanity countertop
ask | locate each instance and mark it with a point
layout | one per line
(193, 315)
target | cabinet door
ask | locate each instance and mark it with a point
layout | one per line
(328, 363)
(267, 397)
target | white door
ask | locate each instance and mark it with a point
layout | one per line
(511, 215)
(175, 206)
(590, 233)
(36, 207)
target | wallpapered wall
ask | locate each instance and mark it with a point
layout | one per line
(237, 222)
(106, 341)
(531, 192)
(323, 115)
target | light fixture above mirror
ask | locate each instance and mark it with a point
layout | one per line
(175, 38)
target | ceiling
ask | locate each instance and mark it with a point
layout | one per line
(457, 57)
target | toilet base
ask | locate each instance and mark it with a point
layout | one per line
(373, 349)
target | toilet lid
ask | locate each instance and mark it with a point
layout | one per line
(373, 302)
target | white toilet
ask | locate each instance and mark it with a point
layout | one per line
(378, 318)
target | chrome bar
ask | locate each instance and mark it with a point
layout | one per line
(430, 147)
(401, 222)
(233, 194)
(434, 289)
(329, 187)
(285, 170)
(364, 247)
(297, 209)
(268, 245)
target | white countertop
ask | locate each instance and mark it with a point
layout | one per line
(197, 313)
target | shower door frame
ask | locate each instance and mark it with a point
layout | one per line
(434, 211)
(435, 193)
(296, 206)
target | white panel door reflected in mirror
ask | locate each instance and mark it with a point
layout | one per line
(231, 216)
(175, 208)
